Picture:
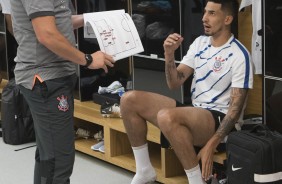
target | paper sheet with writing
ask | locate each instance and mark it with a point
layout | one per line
(115, 32)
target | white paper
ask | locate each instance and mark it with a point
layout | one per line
(115, 32)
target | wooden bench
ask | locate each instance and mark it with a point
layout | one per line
(220, 157)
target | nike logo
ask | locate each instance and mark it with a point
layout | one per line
(236, 168)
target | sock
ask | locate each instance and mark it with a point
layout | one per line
(195, 176)
(144, 170)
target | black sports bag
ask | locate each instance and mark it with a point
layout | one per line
(17, 122)
(254, 156)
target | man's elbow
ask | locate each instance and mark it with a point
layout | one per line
(45, 38)
(41, 39)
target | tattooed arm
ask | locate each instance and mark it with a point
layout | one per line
(237, 100)
(175, 77)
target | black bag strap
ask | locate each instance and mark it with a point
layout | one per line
(262, 130)
(259, 128)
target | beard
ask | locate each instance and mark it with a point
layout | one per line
(208, 34)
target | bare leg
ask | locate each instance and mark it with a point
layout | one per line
(185, 127)
(137, 107)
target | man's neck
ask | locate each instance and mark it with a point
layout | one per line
(220, 39)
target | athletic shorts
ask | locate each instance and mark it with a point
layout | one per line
(217, 116)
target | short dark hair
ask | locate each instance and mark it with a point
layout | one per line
(230, 6)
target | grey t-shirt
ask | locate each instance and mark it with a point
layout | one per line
(33, 58)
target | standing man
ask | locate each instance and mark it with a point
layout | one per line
(222, 74)
(46, 75)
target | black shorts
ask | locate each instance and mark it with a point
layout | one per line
(218, 117)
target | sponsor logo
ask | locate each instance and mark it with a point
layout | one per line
(236, 168)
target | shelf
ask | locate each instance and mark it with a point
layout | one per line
(88, 111)
(84, 145)
(219, 157)
(117, 124)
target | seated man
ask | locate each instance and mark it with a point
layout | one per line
(222, 74)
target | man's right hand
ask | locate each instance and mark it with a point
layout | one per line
(101, 60)
(172, 42)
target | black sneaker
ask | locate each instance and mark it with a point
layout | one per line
(110, 110)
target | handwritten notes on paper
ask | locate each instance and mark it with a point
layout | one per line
(115, 32)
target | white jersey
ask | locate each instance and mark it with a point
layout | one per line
(256, 39)
(6, 6)
(216, 70)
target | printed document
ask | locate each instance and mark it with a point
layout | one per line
(115, 32)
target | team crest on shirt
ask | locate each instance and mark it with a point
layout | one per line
(63, 103)
(218, 63)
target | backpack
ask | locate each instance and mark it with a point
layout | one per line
(254, 156)
(17, 122)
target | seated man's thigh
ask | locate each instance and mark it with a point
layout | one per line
(199, 122)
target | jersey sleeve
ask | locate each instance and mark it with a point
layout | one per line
(242, 72)
(189, 58)
(38, 8)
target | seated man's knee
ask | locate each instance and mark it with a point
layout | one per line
(129, 102)
(165, 119)
(127, 97)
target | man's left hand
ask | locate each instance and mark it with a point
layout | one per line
(206, 157)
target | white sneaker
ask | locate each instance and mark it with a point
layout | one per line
(102, 149)
(96, 147)
(110, 110)
(102, 90)
(112, 87)
(117, 91)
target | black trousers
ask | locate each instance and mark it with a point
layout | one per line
(52, 105)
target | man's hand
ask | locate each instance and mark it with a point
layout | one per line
(171, 43)
(101, 60)
(206, 156)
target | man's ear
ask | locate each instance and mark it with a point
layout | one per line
(228, 19)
